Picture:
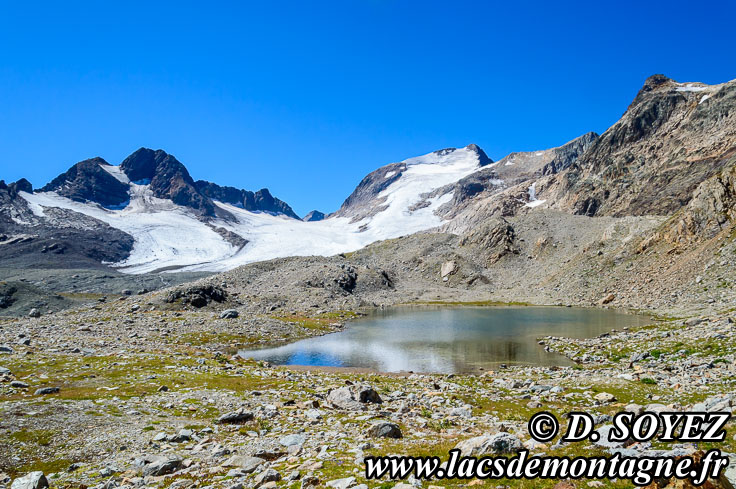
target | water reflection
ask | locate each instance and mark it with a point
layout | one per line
(448, 340)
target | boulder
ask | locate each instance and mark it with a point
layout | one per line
(236, 417)
(384, 429)
(498, 444)
(291, 440)
(34, 480)
(604, 397)
(448, 268)
(165, 464)
(243, 463)
(353, 398)
(43, 391)
(268, 475)
(343, 483)
(229, 314)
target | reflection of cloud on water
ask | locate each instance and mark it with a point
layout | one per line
(338, 350)
(447, 340)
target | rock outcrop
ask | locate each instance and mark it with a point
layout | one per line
(87, 181)
(672, 138)
(167, 177)
(260, 201)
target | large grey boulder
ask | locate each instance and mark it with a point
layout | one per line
(353, 398)
(236, 417)
(498, 444)
(243, 463)
(43, 391)
(268, 475)
(384, 429)
(229, 314)
(34, 480)
(165, 464)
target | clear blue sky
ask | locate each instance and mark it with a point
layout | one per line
(305, 98)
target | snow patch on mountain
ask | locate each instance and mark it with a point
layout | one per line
(166, 235)
(116, 172)
(173, 237)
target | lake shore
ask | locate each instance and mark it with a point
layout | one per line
(132, 395)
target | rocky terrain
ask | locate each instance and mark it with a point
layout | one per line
(123, 380)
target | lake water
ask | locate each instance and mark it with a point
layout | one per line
(448, 340)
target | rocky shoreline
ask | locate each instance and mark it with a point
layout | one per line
(130, 395)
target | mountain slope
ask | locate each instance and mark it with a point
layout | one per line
(672, 137)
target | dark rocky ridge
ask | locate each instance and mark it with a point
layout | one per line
(262, 200)
(88, 182)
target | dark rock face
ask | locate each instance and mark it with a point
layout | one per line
(228, 195)
(711, 210)
(314, 215)
(169, 179)
(568, 153)
(261, 201)
(374, 183)
(88, 182)
(264, 201)
(21, 185)
(652, 160)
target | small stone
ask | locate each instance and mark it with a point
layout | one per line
(18, 384)
(604, 397)
(34, 313)
(607, 299)
(229, 314)
(309, 481)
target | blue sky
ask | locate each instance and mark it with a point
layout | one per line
(305, 98)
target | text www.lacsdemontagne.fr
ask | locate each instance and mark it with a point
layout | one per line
(640, 470)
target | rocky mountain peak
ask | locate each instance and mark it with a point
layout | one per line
(87, 181)
(167, 179)
(141, 165)
(314, 215)
(263, 201)
(483, 158)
